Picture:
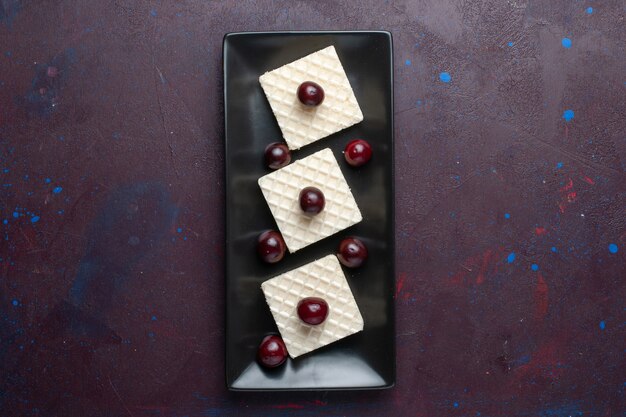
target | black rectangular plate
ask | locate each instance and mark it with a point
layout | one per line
(362, 361)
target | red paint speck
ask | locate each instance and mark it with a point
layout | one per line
(568, 195)
(476, 269)
(588, 180)
(571, 197)
(568, 186)
(400, 284)
(541, 298)
(539, 231)
(483, 266)
(458, 278)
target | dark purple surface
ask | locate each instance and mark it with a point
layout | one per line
(510, 121)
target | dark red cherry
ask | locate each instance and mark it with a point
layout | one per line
(352, 252)
(310, 93)
(357, 152)
(313, 310)
(277, 155)
(271, 246)
(312, 200)
(272, 351)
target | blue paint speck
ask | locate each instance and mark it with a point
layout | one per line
(5, 221)
(6, 170)
(568, 115)
(179, 230)
(34, 219)
(47, 180)
(15, 303)
(418, 103)
(8, 54)
(510, 43)
(57, 190)
(456, 405)
(511, 257)
(185, 238)
(559, 165)
(445, 77)
(554, 249)
(153, 13)
(602, 325)
(407, 62)
(534, 267)
(566, 42)
(589, 10)
(151, 334)
(153, 318)
(613, 248)
(507, 216)
(16, 214)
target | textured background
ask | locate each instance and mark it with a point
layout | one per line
(511, 196)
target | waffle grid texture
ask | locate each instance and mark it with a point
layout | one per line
(301, 125)
(323, 278)
(281, 190)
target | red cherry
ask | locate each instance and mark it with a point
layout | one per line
(313, 310)
(271, 246)
(277, 155)
(358, 152)
(312, 200)
(352, 252)
(310, 93)
(272, 351)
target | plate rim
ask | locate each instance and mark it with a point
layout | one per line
(225, 47)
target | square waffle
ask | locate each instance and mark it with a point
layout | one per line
(323, 278)
(282, 189)
(300, 124)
